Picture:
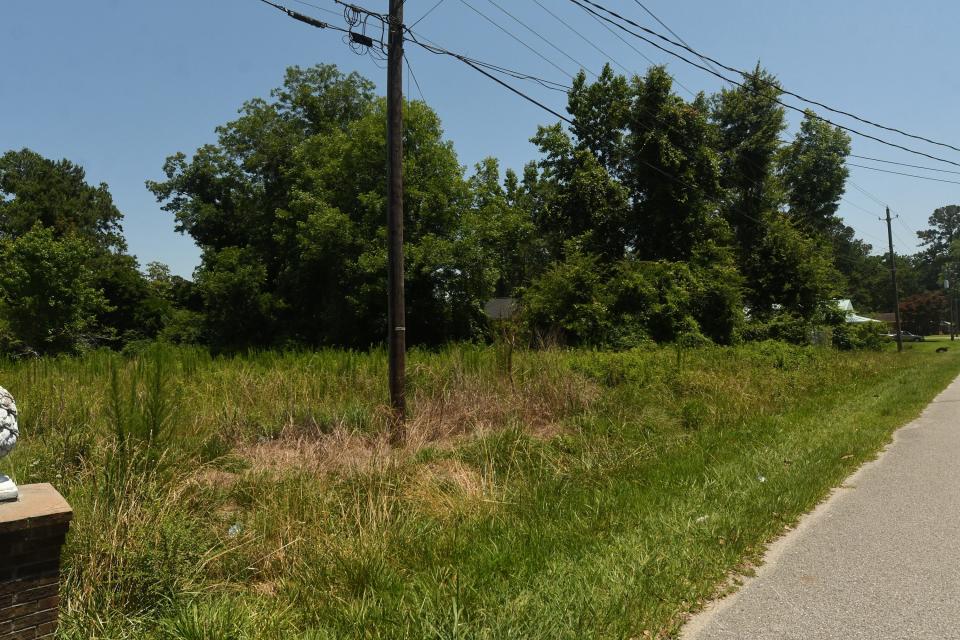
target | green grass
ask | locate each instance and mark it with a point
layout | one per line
(929, 344)
(572, 495)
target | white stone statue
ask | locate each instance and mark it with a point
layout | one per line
(9, 431)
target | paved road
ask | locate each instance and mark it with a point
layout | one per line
(879, 559)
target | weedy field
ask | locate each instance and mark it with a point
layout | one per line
(545, 494)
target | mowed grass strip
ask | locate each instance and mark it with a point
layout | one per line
(556, 494)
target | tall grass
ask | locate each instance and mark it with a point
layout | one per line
(549, 494)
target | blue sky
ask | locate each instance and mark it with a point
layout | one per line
(118, 86)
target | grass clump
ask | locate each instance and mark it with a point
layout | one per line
(554, 494)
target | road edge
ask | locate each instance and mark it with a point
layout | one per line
(698, 622)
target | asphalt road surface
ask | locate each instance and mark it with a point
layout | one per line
(879, 559)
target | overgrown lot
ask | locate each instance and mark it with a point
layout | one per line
(552, 494)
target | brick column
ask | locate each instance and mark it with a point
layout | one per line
(32, 530)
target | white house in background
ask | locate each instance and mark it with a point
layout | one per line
(846, 306)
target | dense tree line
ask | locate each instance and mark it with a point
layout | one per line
(650, 217)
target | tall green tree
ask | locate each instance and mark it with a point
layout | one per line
(749, 123)
(577, 199)
(782, 266)
(498, 225)
(289, 205)
(36, 191)
(48, 296)
(814, 174)
(936, 241)
(55, 194)
(601, 112)
(673, 174)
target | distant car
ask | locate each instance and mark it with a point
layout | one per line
(906, 336)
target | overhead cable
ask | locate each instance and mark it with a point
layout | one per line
(672, 32)
(520, 40)
(900, 173)
(433, 47)
(904, 164)
(539, 35)
(582, 37)
(743, 73)
(740, 84)
(429, 11)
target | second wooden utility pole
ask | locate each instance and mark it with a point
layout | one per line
(893, 277)
(396, 316)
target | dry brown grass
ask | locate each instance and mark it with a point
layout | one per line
(478, 406)
(339, 452)
(468, 407)
(445, 488)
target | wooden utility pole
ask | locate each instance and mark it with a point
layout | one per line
(396, 316)
(893, 278)
(951, 287)
(947, 281)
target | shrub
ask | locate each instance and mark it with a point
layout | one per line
(784, 326)
(570, 300)
(868, 335)
(632, 302)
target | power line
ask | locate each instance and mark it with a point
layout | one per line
(582, 37)
(904, 164)
(900, 173)
(857, 206)
(908, 229)
(296, 15)
(536, 33)
(872, 214)
(616, 35)
(604, 53)
(317, 7)
(479, 67)
(360, 10)
(786, 105)
(534, 101)
(707, 62)
(509, 33)
(745, 74)
(672, 32)
(471, 63)
(429, 11)
(414, 76)
(434, 48)
(514, 90)
(867, 193)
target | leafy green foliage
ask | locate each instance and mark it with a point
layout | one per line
(749, 123)
(790, 270)
(650, 218)
(35, 190)
(47, 292)
(289, 208)
(79, 220)
(673, 172)
(814, 175)
(866, 336)
(580, 301)
(937, 242)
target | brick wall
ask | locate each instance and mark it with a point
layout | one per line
(32, 531)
